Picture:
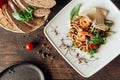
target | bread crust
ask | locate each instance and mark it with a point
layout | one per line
(4, 23)
(41, 3)
(41, 12)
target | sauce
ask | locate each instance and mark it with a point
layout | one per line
(2, 2)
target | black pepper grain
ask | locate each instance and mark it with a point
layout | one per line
(47, 48)
(24, 36)
(43, 55)
(41, 37)
(23, 47)
(11, 71)
(43, 45)
(28, 35)
(52, 57)
(37, 35)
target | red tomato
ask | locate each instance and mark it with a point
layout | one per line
(92, 46)
(29, 46)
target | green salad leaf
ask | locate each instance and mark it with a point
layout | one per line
(96, 40)
(74, 12)
(25, 15)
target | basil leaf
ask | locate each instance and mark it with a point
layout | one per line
(30, 8)
(28, 15)
(18, 16)
(92, 52)
(74, 12)
(25, 15)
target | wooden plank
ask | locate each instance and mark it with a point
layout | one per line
(12, 51)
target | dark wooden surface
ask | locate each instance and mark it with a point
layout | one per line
(12, 51)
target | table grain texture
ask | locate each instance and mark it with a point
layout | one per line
(45, 56)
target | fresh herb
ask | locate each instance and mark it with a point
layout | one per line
(94, 31)
(104, 41)
(96, 40)
(108, 23)
(103, 34)
(19, 16)
(31, 8)
(92, 52)
(73, 45)
(74, 12)
(25, 15)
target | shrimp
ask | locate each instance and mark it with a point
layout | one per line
(84, 22)
(81, 36)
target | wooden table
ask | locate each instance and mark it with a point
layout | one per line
(12, 51)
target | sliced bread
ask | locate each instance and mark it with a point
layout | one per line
(39, 12)
(4, 23)
(21, 26)
(41, 3)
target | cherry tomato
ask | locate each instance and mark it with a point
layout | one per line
(29, 46)
(92, 46)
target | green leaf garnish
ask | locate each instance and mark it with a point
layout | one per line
(108, 23)
(96, 40)
(103, 34)
(28, 15)
(92, 52)
(25, 15)
(74, 12)
(30, 8)
(94, 31)
(104, 41)
(19, 16)
(73, 45)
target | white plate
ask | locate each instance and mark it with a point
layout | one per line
(57, 30)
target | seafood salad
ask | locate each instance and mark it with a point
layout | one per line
(89, 29)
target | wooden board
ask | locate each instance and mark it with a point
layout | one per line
(54, 67)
